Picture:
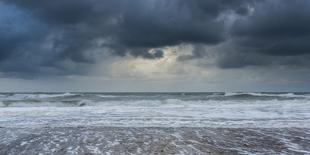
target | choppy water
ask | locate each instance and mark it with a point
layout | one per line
(156, 109)
(251, 116)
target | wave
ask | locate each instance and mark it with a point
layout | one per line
(146, 103)
(30, 103)
(170, 112)
(107, 96)
(92, 103)
(38, 96)
(267, 95)
(85, 99)
(56, 95)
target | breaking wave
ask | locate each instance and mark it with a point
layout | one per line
(269, 95)
(149, 99)
(36, 96)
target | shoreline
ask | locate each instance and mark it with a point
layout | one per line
(154, 140)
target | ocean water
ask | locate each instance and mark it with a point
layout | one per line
(265, 110)
(210, 123)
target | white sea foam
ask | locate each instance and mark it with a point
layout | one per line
(287, 95)
(36, 96)
(21, 104)
(54, 95)
(162, 113)
(107, 96)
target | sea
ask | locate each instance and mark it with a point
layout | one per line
(155, 123)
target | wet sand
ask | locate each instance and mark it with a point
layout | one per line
(153, 140)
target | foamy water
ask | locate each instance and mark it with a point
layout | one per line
(154, 123)
(229, 110)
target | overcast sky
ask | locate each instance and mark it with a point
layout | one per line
(154, 45)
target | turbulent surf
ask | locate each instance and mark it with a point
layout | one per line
(162, 123)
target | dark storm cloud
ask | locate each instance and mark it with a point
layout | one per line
(56, 32)
(276, 32)
(140, 23)
(276, 27)
(64, 37)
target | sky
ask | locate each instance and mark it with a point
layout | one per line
(154, 45)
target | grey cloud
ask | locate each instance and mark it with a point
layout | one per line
(199, 51)
(68, 30)
(151, 54)
(275, 32)
(58, 37)
(276, 27)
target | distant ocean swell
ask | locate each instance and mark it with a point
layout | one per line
(94, 99)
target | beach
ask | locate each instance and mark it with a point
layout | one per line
(122, 140)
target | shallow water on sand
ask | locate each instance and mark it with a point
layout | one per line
(121, 140)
